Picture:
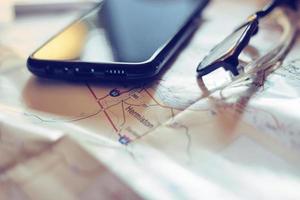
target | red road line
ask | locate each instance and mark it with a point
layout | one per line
(126, 91)
(163, 106)
(153, 98)
(101, 106)
(102, 97)
(123, 112)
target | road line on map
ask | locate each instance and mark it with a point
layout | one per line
(99, 99)
(123, 112)
(101, 106)
(75, 119)
(163, 106)
(127, 91)
(124, 92)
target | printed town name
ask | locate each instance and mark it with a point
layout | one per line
(139, 117)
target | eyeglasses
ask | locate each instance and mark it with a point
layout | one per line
(226, 54)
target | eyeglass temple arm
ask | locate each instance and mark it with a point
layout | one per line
(273, 4)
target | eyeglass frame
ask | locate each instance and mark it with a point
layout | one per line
(230, 59)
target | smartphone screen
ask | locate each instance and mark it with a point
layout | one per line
(129, 31)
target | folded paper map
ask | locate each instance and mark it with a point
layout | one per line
(175, 137)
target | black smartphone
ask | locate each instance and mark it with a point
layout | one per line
(118, 40)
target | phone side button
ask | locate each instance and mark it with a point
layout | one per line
(58, 71)
(68, 71)
(49, 70)
(83, 72)
(38, 70)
